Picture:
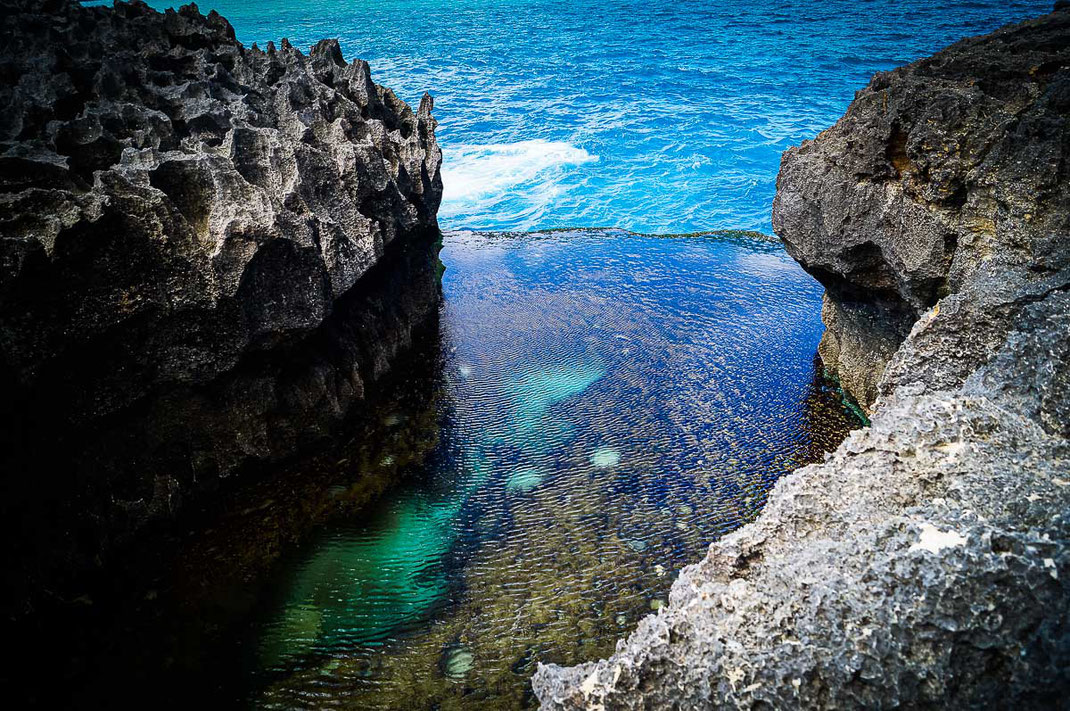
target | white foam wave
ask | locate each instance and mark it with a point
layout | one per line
(476, 173)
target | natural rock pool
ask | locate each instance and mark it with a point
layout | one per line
(605, 404)
(588, 411)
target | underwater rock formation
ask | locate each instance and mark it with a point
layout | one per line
(926, 563)
(207, 255)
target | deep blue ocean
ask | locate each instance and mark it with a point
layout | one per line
(661, 117)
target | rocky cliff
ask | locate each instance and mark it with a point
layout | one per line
(926, 563)
(207, 254)
(946, 181)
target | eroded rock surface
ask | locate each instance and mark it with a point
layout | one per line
(207, 252)
(926, 563)
(947, 177)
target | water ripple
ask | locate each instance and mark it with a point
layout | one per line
(612, 403)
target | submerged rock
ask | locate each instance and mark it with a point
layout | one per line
(524, 479)
(605, 457)
(457, 661)
(207, 254)
(926, 563)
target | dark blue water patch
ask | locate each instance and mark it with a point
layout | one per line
(650, 115)
(611, 403)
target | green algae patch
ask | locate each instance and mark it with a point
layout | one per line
(846, 400)
(440, 266)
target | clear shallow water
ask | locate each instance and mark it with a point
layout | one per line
(610, 403)
(650, 116)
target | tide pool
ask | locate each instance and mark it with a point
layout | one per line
(609, 403)
(603, 403)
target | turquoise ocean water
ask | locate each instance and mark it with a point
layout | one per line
(660, 117)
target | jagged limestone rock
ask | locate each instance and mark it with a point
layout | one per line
(946, 177)
(207, 251)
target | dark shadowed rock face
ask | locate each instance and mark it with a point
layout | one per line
(945, 177)
(926, 563)
(207, 252)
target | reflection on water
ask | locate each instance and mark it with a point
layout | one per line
(609, 404)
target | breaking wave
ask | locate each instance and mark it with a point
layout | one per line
(525, 178)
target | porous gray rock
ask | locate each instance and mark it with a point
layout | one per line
(926, 562)
(945, 177)
(207, 253)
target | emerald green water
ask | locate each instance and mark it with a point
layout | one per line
(607, 405)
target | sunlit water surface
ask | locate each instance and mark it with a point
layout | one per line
(612, 403)
(647, 115)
